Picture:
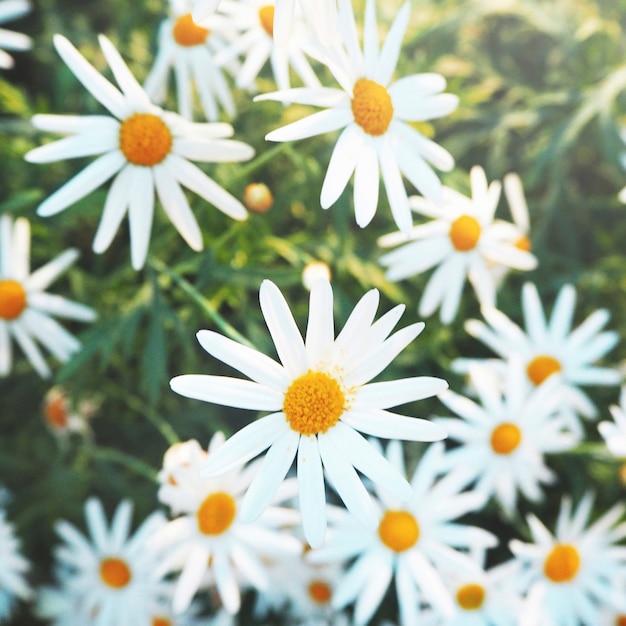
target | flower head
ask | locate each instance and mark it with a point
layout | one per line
(375, 114)
(27, 311)
(144, 148)
(464, 241)
(318, 398)
(614, 433)
(11, 10)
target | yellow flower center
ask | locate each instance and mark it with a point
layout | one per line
(115, 572)
(266, 17)
(505, 438)
(187, 33)
(523, 243)
(12, 299)
(464, 233)
(313, 403)
(541, 367)
(371, 106)
(562, 564)
(470, 597)
(145, 139)
(161, 621)
(398, 530)
(216, 513)
(320, 591)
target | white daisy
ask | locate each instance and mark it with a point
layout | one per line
(63, 415)
(373, 113)
(549, 347)
(110, 577)
(13, 568)
(576, 573)
(319, 399)
(208, 538)
(189, 48)
(614, 433)
(464, 241)
(503, 439)
(11, 10)
(412, 543)
(254, 20)
(144, 148)
(27, 311)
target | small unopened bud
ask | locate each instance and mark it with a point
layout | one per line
(258, 198)
(314, 271)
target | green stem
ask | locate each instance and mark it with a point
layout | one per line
(260, 161)
(130, 462)
(200, 300)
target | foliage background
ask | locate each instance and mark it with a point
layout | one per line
(541, 86)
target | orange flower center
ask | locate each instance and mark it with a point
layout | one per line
(470, 597)
(398, 530)
(505, 438)
(216, 513)
(266, 17)
(55, 412)
(371, 106)
(161, 621)
(12, 299)
(541, 367)
(464, 233)
(115, 572)
(562, 564)
(621, 620)
(320, 591)
(523, 243)
(187, 33)
(313, 403)
(145, 139)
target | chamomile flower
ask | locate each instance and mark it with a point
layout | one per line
(209, 539)
(11, 10)
(503, 438)
(144, 148)
(575, 574)
(63, 415)
(464, 241)
(318, 398)
(13, 569)
(550, 347)
(111, 575)
(614, 433)
(412, 543)
(254, 20)
(27, 311)
(373, 112)
(189, 48)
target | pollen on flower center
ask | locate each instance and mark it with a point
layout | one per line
(371, 106)
(505, 438)
(115, 572)
(145, 139)
(320, 591)
(216, 513)
(313, 403)
(541, 367)
(464, 233)
(12, 299)
(562, 564)
(398, 530)
(187, 33)
(266, 17)
(470, 597)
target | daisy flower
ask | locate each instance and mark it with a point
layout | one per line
(614, 433)
(209, 538)
(503, 438)
(13, 567)
(111, 574)
(64, 416)
(413, 541)
(373, 112)
(319, 399)
(464, 241)
(144, 148)
(550, 347)
(27, 311)
(189, 48)
(576, 573)
(11, 10)
(254, 20)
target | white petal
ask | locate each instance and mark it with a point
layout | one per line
(420, 174)
(140, 213)
(370, 37)
(61, 307)
(394, 186)
(86, 144)
(341, 165)
(390, 52)
(311, 491)
(366, 182)
(216, 151)
(48, 273)
(416, 86)
(327, 97)
(395, 392)
(190, 578)
(320, 331)
(315, 124)
(533, 314)
(115, 207)
(30, 349)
